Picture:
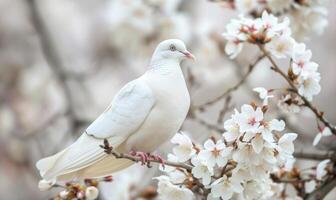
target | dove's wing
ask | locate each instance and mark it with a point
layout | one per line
(123, 117)
(126, 113)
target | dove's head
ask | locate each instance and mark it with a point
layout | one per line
(172, 49)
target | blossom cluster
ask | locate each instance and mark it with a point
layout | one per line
(75, 190)
(308, 16)
(276, 38)
(238, 164)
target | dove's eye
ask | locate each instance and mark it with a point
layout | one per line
(172, 48)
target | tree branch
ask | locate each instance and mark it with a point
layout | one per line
(109, 150)
(50, 53)
(235, 87)
(323, 190)
(314, 156)
(318, 114)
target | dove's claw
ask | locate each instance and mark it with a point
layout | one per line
(143, 156)
(158, 158)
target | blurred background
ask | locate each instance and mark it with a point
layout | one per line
(61, 63)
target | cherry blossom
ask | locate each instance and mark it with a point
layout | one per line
(281, 46)
(285, 143)
(224, 188)
(310, 186)
(321, 169)
(301, 57)
(184, 149)
(202, 170)
(91, 193)
(323, 133)
(168, 191)
(44, 185)
(308, 16)
(263, 94)
(309, 85)
(215, 153)
(268, 127)
(231, 128)
(249, 118)
(64, 194)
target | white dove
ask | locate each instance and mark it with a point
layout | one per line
(145, 113)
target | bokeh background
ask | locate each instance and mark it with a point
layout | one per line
(61, 63)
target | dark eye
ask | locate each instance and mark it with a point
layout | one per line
(172, 48)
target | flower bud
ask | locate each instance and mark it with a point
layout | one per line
(44, 185)
(91, 193)
(80, 195)
(64, 194)
(108, 178)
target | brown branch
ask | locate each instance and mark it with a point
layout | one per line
(323, 190)
(209, 125)
(314, 156)
(109, 150)
(50, 53)
(318, 114)
(193, 116)
(235, 87)
(224, 110)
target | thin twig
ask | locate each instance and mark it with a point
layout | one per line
(318, 114)
(109, 150)
(235, 87)
(224, 110)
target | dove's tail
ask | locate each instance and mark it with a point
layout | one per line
(102, 168)
(82, 159)
(45, 164)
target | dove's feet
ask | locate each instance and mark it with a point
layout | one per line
(158, 158)
(142, 155)
(145, 158)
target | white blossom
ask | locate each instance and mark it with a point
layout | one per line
(202, 170)
(310, 186)
(64, 194)
(281, 46)
(321, 169)
(44, 185)
(300, 57)
(215, 153)
(224, 188)
(309, 85)
(285, 143)
(168, 191)
(263, 94)
(289, 164)
(91, 193)
(323, 133)
(184, 149)
(80, 195)
(233, 48)
(246, 155)
(231, 128)
(250, 118)
(268, 127)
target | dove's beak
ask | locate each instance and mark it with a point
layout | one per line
(188, 55)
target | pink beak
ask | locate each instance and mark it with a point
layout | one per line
(188, 55)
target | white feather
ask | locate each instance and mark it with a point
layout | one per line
(125, 114)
